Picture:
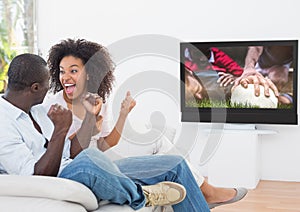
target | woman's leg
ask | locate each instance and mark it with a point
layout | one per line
(211, 193)
(103, 177)
(153, 169)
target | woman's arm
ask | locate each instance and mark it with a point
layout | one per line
(82, 138)
(113, 138)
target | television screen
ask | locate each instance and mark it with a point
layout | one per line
(239, 82)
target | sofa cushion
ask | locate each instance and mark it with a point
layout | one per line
(34, 204)
(47, 194)
(132, 143)
(105, 206)
(47, 187)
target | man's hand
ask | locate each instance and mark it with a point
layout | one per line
(61, 117)
(225, 79)
(254, 77)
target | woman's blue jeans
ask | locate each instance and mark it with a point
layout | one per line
(120, 181)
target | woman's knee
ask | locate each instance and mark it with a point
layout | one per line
(91, 151)
(175, 158)
(175, 161)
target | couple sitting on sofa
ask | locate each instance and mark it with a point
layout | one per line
(32, 144)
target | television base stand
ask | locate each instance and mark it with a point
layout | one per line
(239, 127)
(236, 162)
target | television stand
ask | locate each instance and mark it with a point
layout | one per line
(236, 160)
(239, 127)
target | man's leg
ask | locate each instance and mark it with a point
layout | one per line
(103, 177)
(153, 169)
(279, 75)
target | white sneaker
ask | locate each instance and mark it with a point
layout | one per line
(164, 193)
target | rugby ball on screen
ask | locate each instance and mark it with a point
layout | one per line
(246, 97)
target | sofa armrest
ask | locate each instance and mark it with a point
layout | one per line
(47, 187)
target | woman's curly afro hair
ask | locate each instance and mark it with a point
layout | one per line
(96, 59)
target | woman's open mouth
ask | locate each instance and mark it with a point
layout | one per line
(69, 88)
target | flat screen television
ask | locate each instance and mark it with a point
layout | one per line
(208, 71)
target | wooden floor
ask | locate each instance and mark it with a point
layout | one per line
(269, 196)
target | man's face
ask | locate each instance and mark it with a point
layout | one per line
(193, 88)
(44, 86)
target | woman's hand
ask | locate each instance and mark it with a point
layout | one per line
(114, 136)
(127, 104)
(92, 103)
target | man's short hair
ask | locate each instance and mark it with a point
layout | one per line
(24, 70)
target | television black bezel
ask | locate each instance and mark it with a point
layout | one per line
(240, 115)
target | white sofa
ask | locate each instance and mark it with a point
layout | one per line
(48, 194)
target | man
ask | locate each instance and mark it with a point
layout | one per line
(32, 142)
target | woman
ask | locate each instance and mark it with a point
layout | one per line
(77, 67)
(83, 70)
